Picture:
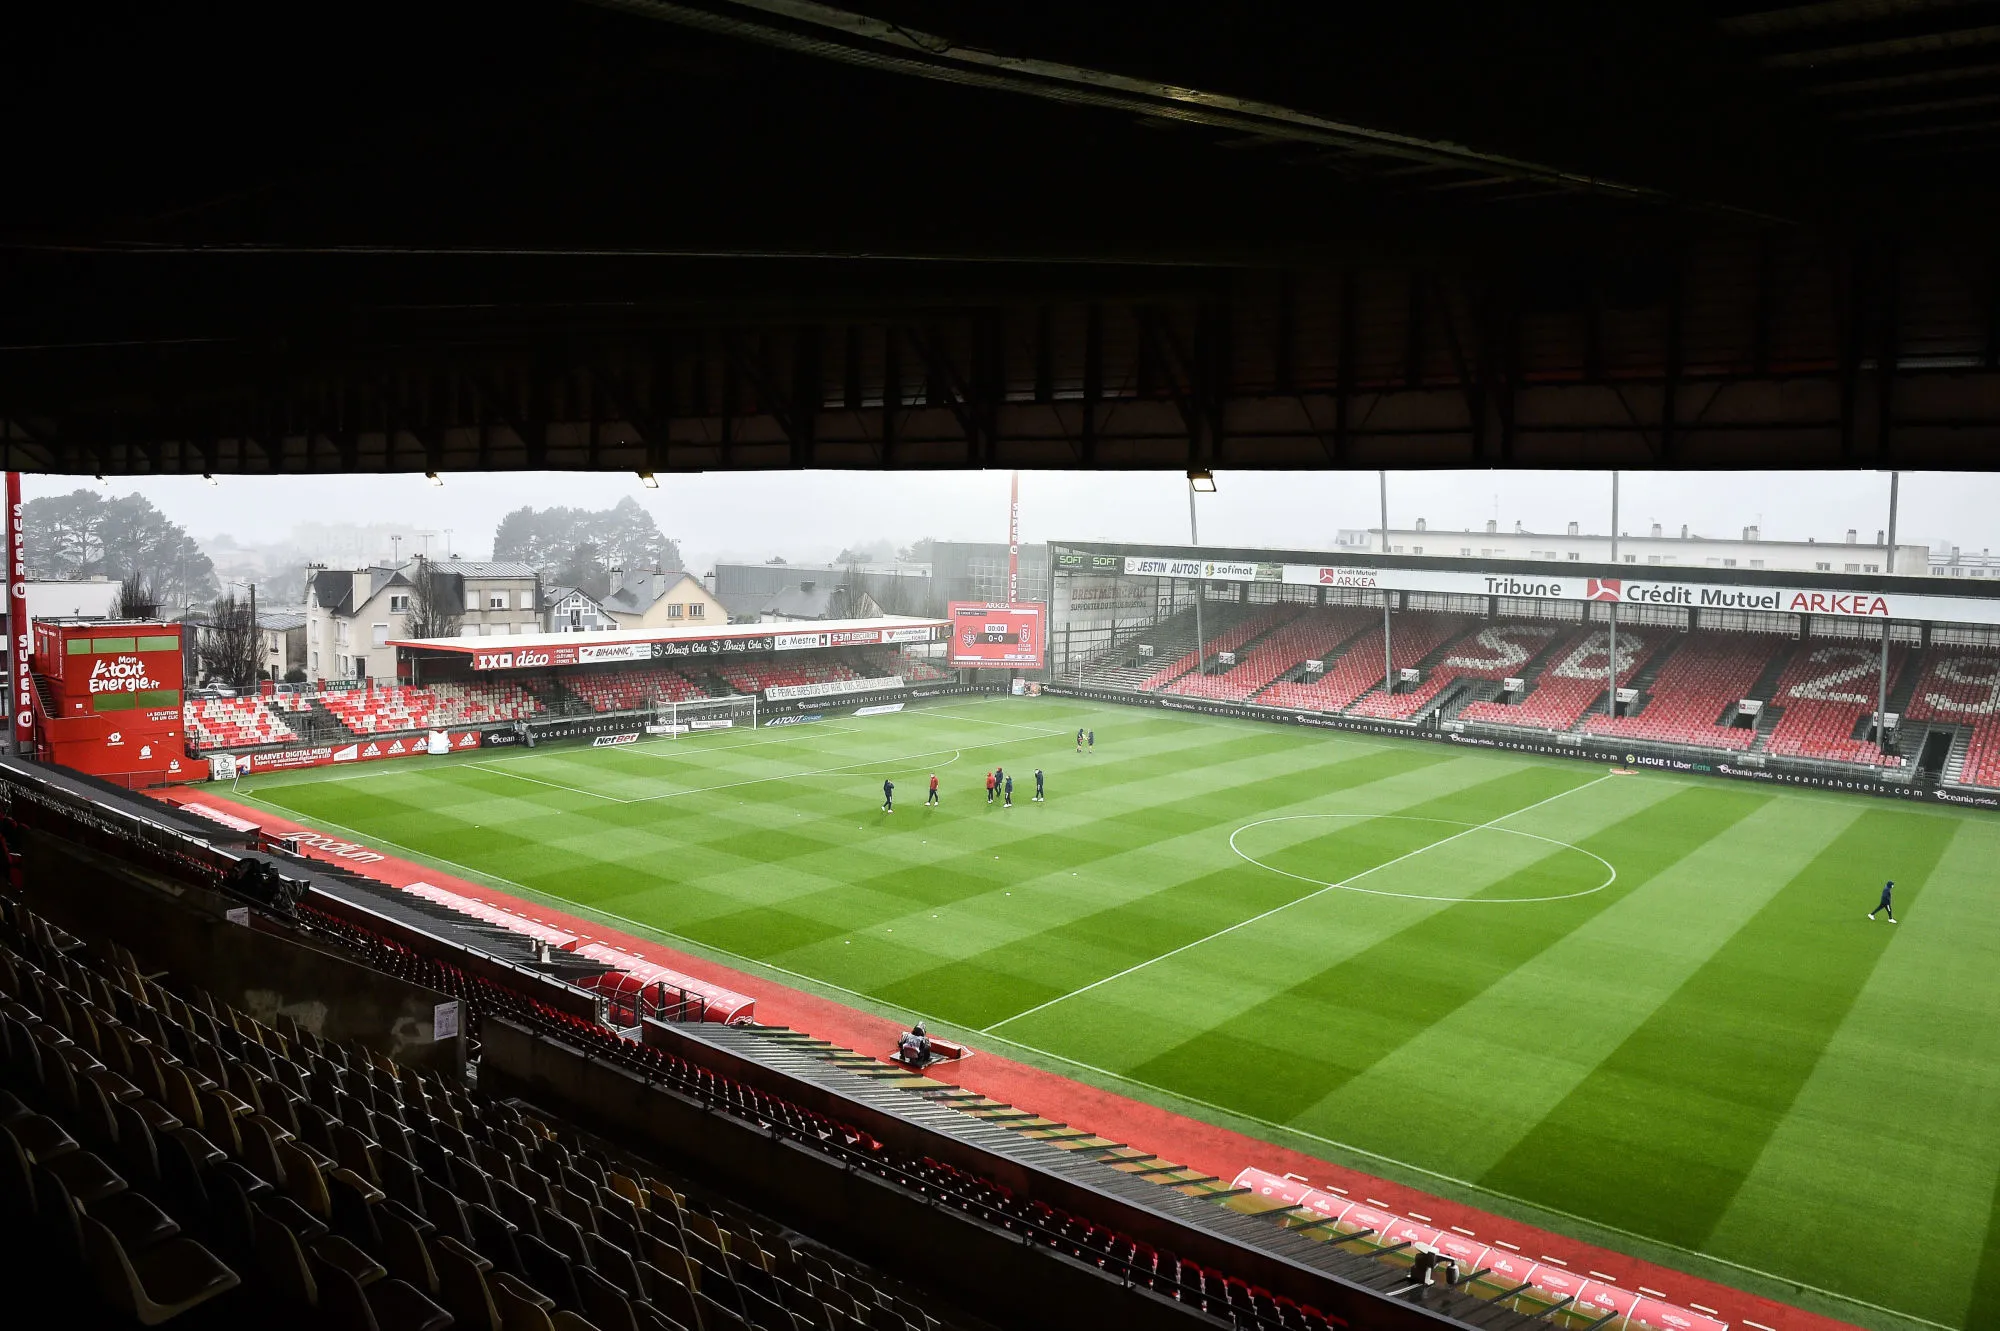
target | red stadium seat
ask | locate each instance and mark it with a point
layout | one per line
(1359, 668)
(1824, 693)
(1574, 679)
(1961, 686)
(1705, 676)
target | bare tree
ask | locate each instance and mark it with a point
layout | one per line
(435, 609)
(850, 599)
(229, 645)
(136, 599)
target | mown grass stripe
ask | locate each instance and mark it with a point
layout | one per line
(877, 898)
(1661, 1135)
(1304, 1043)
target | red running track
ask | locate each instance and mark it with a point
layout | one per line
(1205, 1146)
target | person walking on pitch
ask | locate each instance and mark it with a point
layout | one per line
(1090, 740)
(932, 798)
(1039, 795)
(1883, 905)
(1010, 792)
(888, 795)
(989, 787)
(1079, 740)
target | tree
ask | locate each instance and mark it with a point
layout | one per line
(83, 535)
(920, 551)
(435, 597)
(135, 599)
(229, 643)
(585, 571)
(622, 536)
(850, 598)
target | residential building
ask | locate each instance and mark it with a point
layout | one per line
(1950, 561)
(352, 614)
(573, 610)
(281, 639)
(1654, 549)
(281, 634)
(654, 599)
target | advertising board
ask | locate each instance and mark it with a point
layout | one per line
(21, 700)
(360, 751)
(1588, 747)
(1839, 602)
(617, 651)
(833, 688)
(998, 636)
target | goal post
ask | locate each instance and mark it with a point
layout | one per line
(694, 715)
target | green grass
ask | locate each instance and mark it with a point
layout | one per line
(1644, 1010)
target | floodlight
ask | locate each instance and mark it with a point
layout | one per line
(1202, 481)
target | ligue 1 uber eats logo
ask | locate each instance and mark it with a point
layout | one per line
(126, 674)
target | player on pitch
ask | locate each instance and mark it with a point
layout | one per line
(888, 795)
(1883, 905)
(932, 797)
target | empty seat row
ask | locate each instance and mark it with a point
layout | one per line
(1234, 624)
(229, 723)
(1211, 1290)
(384, 1197)
(1696, 692)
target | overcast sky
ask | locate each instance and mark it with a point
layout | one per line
(811, 515)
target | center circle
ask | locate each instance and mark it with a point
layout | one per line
(1350, 885)
(885, 770)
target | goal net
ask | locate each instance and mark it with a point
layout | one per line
(695, 715)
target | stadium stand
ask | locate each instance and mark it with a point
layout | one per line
(393, 707)
(1961, 686)
(340, 1183)
(220, 723)
(626, 688)
(1564, 691)
(1359, 668)
(756, 676)
(1312, 635)
(1129, 663)
(1240, 624)
(1696, 692)
(1493, 652)
(1824, 699)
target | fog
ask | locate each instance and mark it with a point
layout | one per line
(804, 516)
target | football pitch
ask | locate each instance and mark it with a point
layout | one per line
(1645, 1010)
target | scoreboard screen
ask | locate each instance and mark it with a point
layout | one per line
(998, 636)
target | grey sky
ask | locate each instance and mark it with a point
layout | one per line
(811, 515)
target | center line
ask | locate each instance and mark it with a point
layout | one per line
(1330, 887)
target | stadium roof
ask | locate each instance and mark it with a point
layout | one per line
(1634, 234)
(853, 632)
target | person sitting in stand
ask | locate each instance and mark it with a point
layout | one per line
(914, 1047)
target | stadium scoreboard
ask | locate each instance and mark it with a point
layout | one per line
(998, 636)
